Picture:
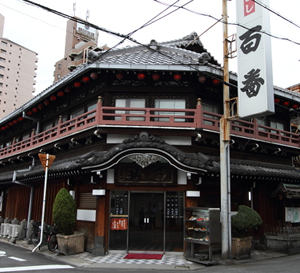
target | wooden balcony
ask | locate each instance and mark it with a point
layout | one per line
(185, 119)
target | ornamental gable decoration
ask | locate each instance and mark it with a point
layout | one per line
(255, 75)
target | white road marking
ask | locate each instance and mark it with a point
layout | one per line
(38, 267)
(2, 253)
(17, 259)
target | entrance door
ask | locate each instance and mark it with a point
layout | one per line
(146, 221)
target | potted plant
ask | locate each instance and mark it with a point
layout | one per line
(64, 217)
(242, 224)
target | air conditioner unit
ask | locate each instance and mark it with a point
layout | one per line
(14, 231)
(5, 229)
(2, 230)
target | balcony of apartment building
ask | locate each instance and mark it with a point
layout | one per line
(73, 64)
(134, 117)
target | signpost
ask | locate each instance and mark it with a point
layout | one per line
(46, 161)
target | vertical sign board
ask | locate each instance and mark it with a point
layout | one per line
(255, 75)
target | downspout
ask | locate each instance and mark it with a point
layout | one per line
(254, 185)
(31, 189)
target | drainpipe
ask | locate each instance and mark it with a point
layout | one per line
(31, 189)
(254, 185)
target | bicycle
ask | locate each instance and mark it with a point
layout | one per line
(49, 236)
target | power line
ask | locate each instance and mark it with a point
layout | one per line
(276, 13)
(78, 20)
(233, 24)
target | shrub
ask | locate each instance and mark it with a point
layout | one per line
(64, 212)
(245, 219)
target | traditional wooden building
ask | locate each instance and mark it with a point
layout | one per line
(135, 132)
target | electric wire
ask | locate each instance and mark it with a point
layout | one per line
(276, 13)
(234, 24)
(121, 35)
(127, 37)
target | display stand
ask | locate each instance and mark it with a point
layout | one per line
(202, 226)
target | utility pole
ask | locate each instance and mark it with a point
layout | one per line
(225, 149)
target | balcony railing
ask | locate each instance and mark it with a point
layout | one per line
(150, 117)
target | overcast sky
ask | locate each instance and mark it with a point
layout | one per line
(44, 32)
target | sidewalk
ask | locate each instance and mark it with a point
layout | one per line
(169, 261)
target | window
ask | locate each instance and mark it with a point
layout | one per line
(133, 103)
(59, 66)
(2, 67)
(87, 201)
(1, 76)
(1, 84)
(58, 76)
(170, 104)
(3, 43)
(77, 113)
(2, 60)
(3, 51)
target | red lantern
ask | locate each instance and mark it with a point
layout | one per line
(216, 81)
(277, 100)
(15, 121)
(3, 128)
(141, 76)
(85, 79)
(295, 106)
(20, 118)
(119, 76)
(60, 93)
(35, 109)
(155, 76)
(177, 77)
(94, 75)
(11, 123)
(201, 79)
(286, 103)
(77, 84)
(53, 98)
(29, 113)
(40, 106)
(68, 89)
(47, 102)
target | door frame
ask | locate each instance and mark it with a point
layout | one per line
(164, 222)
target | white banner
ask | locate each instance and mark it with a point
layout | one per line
(255, 75)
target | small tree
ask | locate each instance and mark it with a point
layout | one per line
(64, 212)
(245, 219)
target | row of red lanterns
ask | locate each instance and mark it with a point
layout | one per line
(156, 76)
(287, 103)
(77, 84)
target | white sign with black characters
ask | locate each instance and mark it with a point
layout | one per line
(255, 75)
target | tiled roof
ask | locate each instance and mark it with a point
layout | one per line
(259, 169)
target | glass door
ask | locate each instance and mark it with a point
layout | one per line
(146, 221)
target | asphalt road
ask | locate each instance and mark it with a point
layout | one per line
(17, 259)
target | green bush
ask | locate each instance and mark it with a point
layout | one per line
(64, 212)
(244, 220)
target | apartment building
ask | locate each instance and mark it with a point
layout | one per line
(80, 39)
(18, 67)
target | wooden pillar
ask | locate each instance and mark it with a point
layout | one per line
(100, 227)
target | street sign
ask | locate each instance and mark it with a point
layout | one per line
(43, 159)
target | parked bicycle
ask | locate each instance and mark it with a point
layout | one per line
(49, 236)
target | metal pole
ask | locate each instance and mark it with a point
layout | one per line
(44, 203)
(225, 149)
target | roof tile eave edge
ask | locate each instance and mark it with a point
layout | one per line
(46, 92)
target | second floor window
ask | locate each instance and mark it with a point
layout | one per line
(132, 103)
(170, 104)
